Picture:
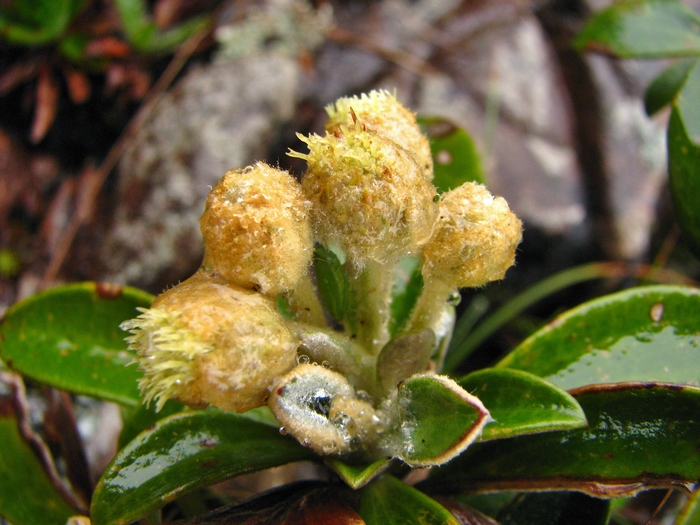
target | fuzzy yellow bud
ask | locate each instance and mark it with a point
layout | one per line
(256, 229)
(206, 342)
(368, 195)
(381, 112)
(474, 240)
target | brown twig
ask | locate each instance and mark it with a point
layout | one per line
(97, 177)
(38, 446)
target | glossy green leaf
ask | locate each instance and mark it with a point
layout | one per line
(648, 333)
(389, 501)
(456, 158)
(643, 29)
(356, 476)
(556, 508)
(664, 88)
(522, 403)
(408, 285)
(184, 452)
(684, 159)
(26, 495)
(69, 337)
(425, 436)
(332, 281)
(640, 436)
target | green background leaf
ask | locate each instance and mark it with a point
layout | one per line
(26, 495)
(522, 403)
(664, 88)
(643, 29)
(69, 337)
(389, 501)
(332, 282)
(408, 285)
(184, 452)
(639, 434)
(456, 159)
(684, 175)
(642, 334)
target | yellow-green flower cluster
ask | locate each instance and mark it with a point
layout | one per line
(219, 338)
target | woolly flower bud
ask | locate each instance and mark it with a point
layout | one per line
(381, 112)
(474, 239)
(256, 229)
(206, 342)
(368, 195)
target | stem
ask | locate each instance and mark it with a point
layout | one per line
(373, 287)
(431, 304)
(305, 303)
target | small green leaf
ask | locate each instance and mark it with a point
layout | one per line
(664, 88)
(389, 501)
(522, 403)
(184, 452)
(556, 508)
(26, 495)
(356, 476)
(643, 29)
(425, 436)
(408, 285)
(332, 281)
(456, 158)
(648, 333)
(69, 337)
(640, 436)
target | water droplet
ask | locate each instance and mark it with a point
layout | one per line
(656, 312)
(283, 431)
(364, 396)
(303, 359)
(329, 447)
(354, 444)
(326, 364)
(454, 298)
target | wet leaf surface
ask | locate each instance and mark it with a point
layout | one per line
(69, 337)
(640, 436)
(184, 452)
(641, 334)
(522, 403)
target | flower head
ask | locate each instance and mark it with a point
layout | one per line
(256, 229)
(368, 195)
(474, 240)
(206, 342)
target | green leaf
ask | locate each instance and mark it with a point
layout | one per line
(664, 88)
(556, 508)
(144, 35)
(356, 476)
(456, 158)
(332, 282)
(26, 495)
(643, 29)
(143, 417)
(522, 403)
(37, 22)
(425, 436)
(69, 337)
(408, 285)
(389, 501)
(684, 159)
(184, 452)
(642, 334)
(640, 436)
